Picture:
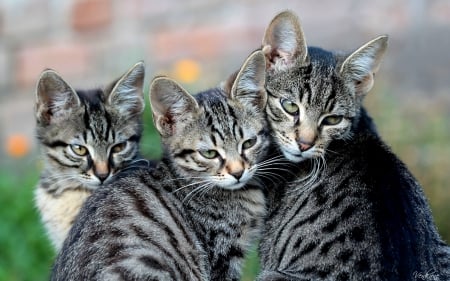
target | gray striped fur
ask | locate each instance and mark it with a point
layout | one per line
(353, 211)
(194, 215)
(103, 124)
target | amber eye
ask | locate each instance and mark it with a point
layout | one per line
(249, 143)
(332, 120)
(119, 147)
(289, 106)
(209, 154)
(79, 149)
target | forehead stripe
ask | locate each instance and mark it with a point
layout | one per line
(214, 130)
(108, 126)
(331, 101)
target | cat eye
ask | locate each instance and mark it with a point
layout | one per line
(209, 154)
(119, 147)
(332, 120)
(79, 149)
(249, 143)
(289, 106)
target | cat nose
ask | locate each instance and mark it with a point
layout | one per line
(235, 168)
(101, 171)
(304, 146)
(237, 174)
(102, 176)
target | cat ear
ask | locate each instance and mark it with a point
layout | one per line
(360, 67)
(54, 97)
(169, 102)
(284, 42)
(248, 87)
(127, 93)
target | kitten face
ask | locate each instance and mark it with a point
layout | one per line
(218, 150)
(90, 147)
(215, 140)
(308, 108)
(314, 95)
(87, 136)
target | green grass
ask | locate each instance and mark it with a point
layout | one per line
(418, 134)
(25, 252)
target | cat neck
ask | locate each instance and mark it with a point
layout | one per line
(363, 124)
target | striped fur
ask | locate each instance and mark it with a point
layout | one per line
(194, 216)
(103, 125)
(353, 211)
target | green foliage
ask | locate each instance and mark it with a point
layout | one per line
(251, 265)
(25, 251)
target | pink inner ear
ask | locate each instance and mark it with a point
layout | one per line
(277, 59)
(364, 85)
(166, 126)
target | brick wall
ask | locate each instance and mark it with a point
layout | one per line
(90, 42)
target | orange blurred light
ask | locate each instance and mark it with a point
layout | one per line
(187, 71)
(17, 146)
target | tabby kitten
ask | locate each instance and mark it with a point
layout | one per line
(194, 215)
(86, 137)
(360, 215)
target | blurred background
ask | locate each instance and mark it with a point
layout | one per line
(199, 43)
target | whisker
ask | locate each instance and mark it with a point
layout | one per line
(195, 191)
(141, 160)
(327, 150)
(309, 181)
(191, 184)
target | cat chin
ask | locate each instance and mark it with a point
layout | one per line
(92, 184)
(294, 157)
(234, 186)
(297, 156)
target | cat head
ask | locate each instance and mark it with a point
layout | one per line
(216, 137)
(87, 136)
(314, 96)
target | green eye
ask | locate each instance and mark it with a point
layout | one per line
(332, 120)
(289, 106)
(119, 147)
(249, 143)
(79, 149)
(209, 154)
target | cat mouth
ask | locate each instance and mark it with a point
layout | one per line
(234, 186)
(94, 184)
(293, 156)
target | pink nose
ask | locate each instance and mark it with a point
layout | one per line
(305, 146)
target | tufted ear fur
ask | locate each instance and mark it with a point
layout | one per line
(284, 42)
(248, 87)
(127, 93)
(170, 103)
(360, 66)
(55, 99)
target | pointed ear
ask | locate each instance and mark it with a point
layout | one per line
(360, 67)
(248, 87)
(284, 42)
(127, 93)
(54, 97)
(170, 104)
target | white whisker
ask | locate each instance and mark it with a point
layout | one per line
(307, 182)
(190, 184)
(195, 191)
